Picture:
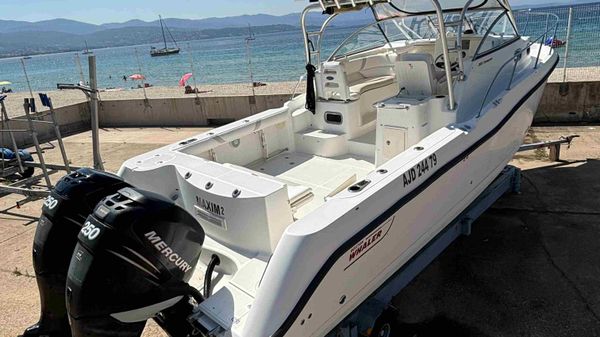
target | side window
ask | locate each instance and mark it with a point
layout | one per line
(500, 33)
(365, 39)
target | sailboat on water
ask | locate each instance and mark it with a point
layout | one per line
(166, 50)
(87, 50)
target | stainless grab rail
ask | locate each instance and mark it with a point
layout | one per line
(515, 59)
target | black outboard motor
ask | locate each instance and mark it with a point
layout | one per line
(63, 215)
(133, 259)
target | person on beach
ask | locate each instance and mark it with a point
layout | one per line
(124, 78)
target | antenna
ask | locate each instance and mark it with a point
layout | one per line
(193, 71)
(139, 64)
(27, 77)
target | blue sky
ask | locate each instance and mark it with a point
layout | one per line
(103, 11)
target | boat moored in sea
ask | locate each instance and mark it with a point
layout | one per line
(166, 50)
(285, 222)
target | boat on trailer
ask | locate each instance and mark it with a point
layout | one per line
(285, 222)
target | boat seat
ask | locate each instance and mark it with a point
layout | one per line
(416, 74)
(347, 80)
(298, 195)
(359, 87)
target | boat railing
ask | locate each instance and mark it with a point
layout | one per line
(529, 13)
(302, 78)
(310, 50)
(514, 60)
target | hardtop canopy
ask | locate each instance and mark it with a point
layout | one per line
(400, 8)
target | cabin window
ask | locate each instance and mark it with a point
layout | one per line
(500, 33)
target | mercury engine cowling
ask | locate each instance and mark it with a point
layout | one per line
(133, 259)
(63, 215)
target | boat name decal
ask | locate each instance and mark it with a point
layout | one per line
(419, 170)
(210, 206)
(167, 251)
(369, 242)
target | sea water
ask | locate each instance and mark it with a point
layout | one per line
(275, 57)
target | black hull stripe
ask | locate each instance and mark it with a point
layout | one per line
(392, 210)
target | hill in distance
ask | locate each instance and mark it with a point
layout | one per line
(20, 38)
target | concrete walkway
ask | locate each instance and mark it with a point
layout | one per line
(530, 268)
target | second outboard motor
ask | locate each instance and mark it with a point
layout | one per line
(63, 215)
(134, 257)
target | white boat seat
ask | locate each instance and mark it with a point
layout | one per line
(347, 80)
(359, 87)
(416, 74)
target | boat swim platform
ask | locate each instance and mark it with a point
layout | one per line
(529, 267)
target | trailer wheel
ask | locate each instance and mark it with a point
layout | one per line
(386, 325)
(27, 173)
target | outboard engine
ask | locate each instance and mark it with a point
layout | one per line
(63, 215)
(133, 259)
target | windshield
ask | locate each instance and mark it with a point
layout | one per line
(396, 29)
(412, 28)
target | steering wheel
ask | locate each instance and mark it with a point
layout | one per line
(439, 62)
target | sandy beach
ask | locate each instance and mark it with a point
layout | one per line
(14, 101)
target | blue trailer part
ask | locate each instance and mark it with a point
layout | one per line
(371, 318)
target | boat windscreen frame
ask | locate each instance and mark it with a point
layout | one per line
(446, 10)
(479, 55)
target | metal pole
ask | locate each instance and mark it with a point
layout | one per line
(448, 70)
(193, 71)
(305, 31)
(137, 57)
(249, 55)
(98, 165)
(568, 43)
(27, 78)
(59, 139)
(27, 106)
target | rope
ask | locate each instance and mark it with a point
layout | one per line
(311, 99)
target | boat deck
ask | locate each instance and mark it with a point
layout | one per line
(324, 176)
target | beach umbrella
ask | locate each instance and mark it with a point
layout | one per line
(137, 77)
(184, 79)
(5, 83)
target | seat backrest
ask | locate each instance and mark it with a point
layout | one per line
(332, 82)
(415, 74)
